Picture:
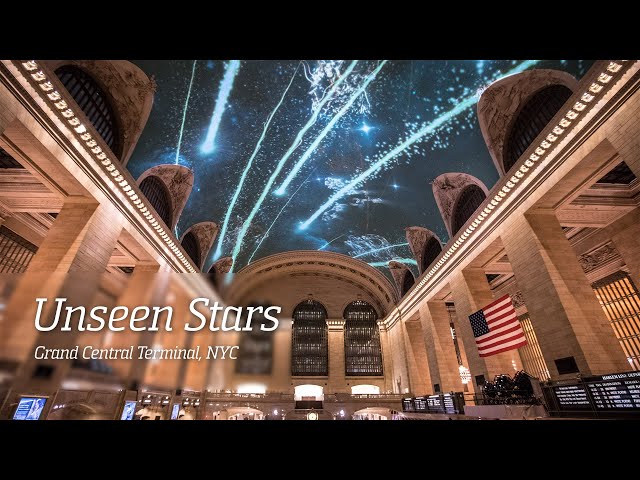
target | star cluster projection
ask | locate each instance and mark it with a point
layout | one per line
(331, 155)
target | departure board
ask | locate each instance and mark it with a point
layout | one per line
(616, 391)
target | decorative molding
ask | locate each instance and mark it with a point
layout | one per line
(222, 266)
(502, 101)
(179, 181)
(517, 299)
(417, 237)
(45, 97)
(130, 90)
(5, 212)
(446, 190)
(598, 257)
(206, 233)
(599, 92)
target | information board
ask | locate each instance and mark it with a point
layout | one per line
(616, 391)
(29, 408)
(572, 397)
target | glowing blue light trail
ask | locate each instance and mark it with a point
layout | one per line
(427, 129)
(184, 111)
(280, 164)
(266, 234)
(331, 241)
(325, 131)
(236, 194)
(408, 261)
(226, 85)
(381, 249)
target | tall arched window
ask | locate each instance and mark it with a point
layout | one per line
(190, 245)
(407, 282)
(158, 195)
(533, 117)
(469, 200)
(94, 103)
(431, 251)
(362, 351)
(310, 347)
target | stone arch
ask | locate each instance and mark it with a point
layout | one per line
(469, 199)
(130, 92)
(205, 234)
(179, 181)
(447, 189)
(402, 276)
(425, 246)
(502, 102)
(310, 339)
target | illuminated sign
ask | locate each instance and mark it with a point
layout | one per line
(129, 410)
(312, 416)
(175, 411)
(29, 408)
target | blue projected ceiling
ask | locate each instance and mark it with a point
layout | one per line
(320, 155)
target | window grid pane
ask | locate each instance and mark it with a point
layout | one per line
(310, 342)
(15, 252)
(531, 354)
(619, 299)
(363, 354)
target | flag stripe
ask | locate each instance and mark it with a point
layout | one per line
(496, 328)
(505, 349)
(499, 336)
(499, 302)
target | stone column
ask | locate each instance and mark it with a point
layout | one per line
(564, 311)
(396, 350)
(69, 264)
(417, 358)
(337, 381)
(441, 352)
(471, 292)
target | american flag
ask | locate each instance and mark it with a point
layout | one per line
(497, 328)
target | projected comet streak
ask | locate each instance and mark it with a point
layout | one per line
(236, 194)
(427, 129)
(325, 131)
(184, 112)
(380, 249)
(226, 85)
(409, 261)
(280, 164)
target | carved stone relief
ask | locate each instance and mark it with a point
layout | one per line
(417, 237)
(206, 233)
(501, 102)
(398, 271)
(179, 181)
(594, 259)
(447, 188)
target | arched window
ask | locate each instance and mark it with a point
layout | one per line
(158, 195)
(310, 348)
(407, 282)
(469, 200)
(533, 117)
(190, 245)
(362, 351)
(94, 103)
(431, 251)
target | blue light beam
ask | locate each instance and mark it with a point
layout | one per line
(184, 112)
(427, 129)
(280, 164)
(226, 85)
(266, 234)
(330, 242)
(381, 249)
(236, 194)
(325, 131)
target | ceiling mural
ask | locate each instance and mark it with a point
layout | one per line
(320, 155)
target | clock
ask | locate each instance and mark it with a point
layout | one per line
(312, 416)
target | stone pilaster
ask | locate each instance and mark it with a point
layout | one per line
(337, 381)
(69, 264)
(471, 292)
(417, 358)
(564, 311)
(441, 353)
